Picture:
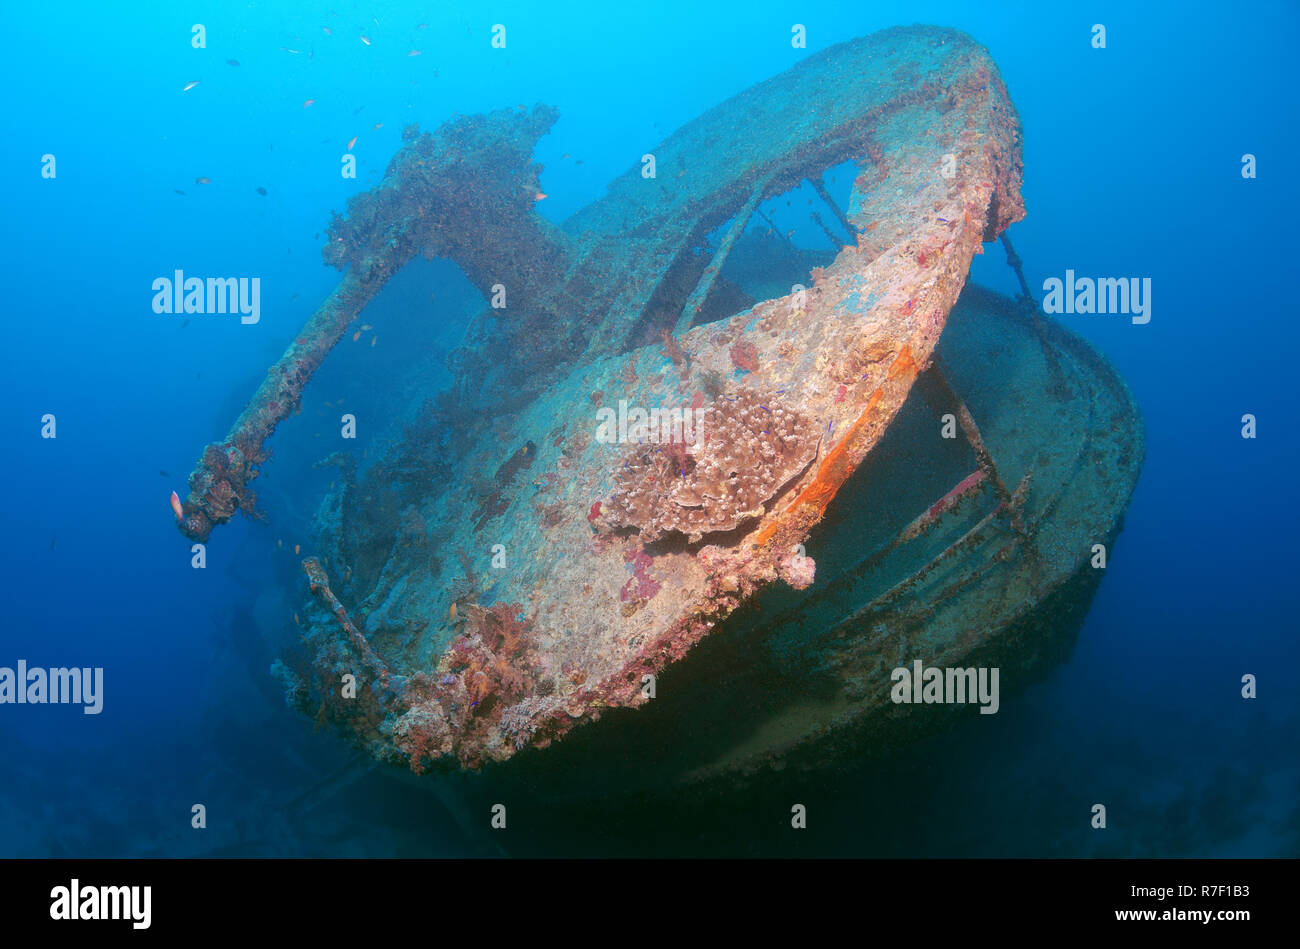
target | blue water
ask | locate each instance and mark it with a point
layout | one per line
(1132, 167)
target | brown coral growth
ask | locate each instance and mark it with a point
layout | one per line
(750, 447)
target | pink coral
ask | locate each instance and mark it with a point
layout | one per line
(797, 570)
(744, 355)
(639, 586)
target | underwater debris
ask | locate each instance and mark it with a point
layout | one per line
(320, 587)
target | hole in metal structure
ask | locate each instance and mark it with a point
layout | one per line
(758, 253)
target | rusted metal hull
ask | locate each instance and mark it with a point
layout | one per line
(797, 684)
(563, 583)
(537, 575)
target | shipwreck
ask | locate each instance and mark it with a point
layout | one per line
(709, 491)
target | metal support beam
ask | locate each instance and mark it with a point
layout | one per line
(830, 203)
(1015, 263)
(701, 292)
(772, 225)
(937, 390)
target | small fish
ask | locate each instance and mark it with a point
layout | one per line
(414, 52)
(373, 340)
(564, 156)
(261, 191)
(189, 85)
(296, 621)
(279, 545)
(203, 181)
(308, 103)
(185, 324)
(179, 191)
(288, 50)
(54, 542)
(297, 548)
(163, 474)
(352, 141)
(366, 40)
(540, 196)
(176, 507)
(356, 336)
(451, 613)
(365, 326)
(378, 126)
(327, 31)
(232, 62)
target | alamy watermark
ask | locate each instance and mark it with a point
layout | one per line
(182, 294)
(35, 686)
(1129, 295)
(920, 685)
(658, 426)
(75, 901)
